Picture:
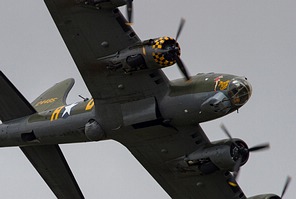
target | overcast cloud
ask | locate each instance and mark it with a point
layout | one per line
(252, 38)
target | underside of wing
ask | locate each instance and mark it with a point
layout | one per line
(51, 164)
(162, 150)
(94, 35)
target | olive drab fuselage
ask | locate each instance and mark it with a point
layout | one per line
(205, 97)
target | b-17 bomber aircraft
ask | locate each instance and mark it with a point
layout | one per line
(134, 103)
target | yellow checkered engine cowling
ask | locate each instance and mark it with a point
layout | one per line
(165, 58)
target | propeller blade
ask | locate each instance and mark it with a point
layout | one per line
(181, 25)
(288, 180)
(182, 67)
(259, 147)
(252, 149)
(129, 9)
(239, 161)
(223, 127)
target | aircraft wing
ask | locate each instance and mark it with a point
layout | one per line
(91, 33)
(51, 164)
(158, 149)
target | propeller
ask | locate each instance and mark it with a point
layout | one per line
(287, 183)
(252, 149)
(180, 63)
(181, 66)
(181, 25)
(242, 150)
(259, 147)
(129, 10)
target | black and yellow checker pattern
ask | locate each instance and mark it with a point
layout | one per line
(163, 59)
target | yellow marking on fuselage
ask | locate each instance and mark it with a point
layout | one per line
(223, 85)
(90, 105)
(55, 114)
(47, 101)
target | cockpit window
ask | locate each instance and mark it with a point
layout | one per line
(239, 91)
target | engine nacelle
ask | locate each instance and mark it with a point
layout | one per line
(265, 196)
(150, 54)
(221, 155)
(94, 131)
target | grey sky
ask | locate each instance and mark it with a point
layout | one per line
(252, 38)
